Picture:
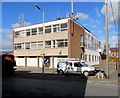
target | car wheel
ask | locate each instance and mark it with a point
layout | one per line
(60, 72)
(86, 73)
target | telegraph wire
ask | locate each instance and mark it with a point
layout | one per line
(113, 15)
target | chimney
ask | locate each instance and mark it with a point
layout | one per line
(58, 18)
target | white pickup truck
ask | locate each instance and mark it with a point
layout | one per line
(75, 67)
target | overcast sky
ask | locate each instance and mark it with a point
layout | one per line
(92, 16)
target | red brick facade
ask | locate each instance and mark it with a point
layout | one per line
(74, 49)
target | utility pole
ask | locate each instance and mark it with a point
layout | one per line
(107, 63)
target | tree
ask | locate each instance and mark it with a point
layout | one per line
(111, 58)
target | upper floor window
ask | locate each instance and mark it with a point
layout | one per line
(34, 31)
(63, 26)
(17, 34)
(48, 29)
(47, 44)
(56, 28)
(33, 45)
(28, 32)
(62, 43)
(40, 30)
(27, 45)
(81, 40)
(40, 44)
(18, 46)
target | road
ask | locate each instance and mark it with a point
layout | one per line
(35, 84)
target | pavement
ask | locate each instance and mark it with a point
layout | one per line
(113, 73)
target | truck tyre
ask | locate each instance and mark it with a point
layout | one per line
(86, 73)
(60, 72)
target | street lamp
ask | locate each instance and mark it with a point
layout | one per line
(43, 54)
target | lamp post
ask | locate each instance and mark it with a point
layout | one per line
(43, 54)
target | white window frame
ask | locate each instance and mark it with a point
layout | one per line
(48, 27)
(40, 43)
(65, 28)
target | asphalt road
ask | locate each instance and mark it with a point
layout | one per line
(35, 84)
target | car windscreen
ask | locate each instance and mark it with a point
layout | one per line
(84, 64)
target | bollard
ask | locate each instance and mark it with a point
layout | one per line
(102, 75)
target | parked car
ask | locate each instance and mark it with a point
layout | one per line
(64, 67)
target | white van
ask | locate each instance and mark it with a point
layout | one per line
(75, 67)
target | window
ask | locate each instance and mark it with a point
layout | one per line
(89, 57)
(40, 30)
(86, 57)
(48, 29)
(27, 45)
(18, 46)
(56, 28)
(92, 57)
(76, 65)
(34, 31)
(62, 43)
(81, 56)
(22, 33)
(40, 44)
(66, 42)
(53, 44)
(47, 44)
(64, 27)
(33, 45)
(22, 46)
(81, 40)
(28, 32)
(17, 34)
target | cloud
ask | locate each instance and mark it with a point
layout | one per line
(110, 15)
(110, 26)
(113, 41)
(82, 16)
(6, 39)
(94, 26)
(100, 32)
(16, 25)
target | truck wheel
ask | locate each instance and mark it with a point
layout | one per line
(86, 73)
(60, 72)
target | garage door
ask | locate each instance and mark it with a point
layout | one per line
(20, 61)
(33, 62)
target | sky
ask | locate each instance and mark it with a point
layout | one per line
(92, 16)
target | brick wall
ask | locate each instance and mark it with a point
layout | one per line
(74, 49)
